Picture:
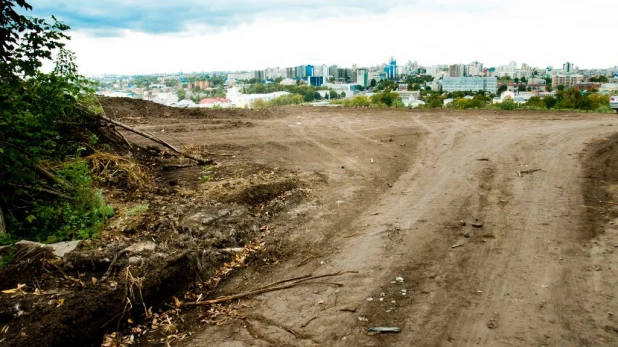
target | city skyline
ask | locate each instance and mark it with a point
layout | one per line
(139, 37)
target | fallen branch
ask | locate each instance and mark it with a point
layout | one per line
(111, 265)
(237, 250)
(262, 290)
(521, 173)
(177, 166)
(156, 139)
(2, 224)
(43, 190)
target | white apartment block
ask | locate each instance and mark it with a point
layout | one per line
(470, 84)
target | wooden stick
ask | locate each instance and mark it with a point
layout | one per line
(155, 139)
(41, 189)
(262, 290)
(2, 223)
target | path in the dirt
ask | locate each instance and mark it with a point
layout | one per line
(525, 278)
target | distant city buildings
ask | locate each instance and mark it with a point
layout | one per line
(566, 80)
(524, 81)
(470, 84)
(457, 70)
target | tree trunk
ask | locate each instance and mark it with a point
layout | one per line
(2, 224)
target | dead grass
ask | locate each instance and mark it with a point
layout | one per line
(111, 167)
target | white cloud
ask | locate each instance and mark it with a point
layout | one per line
(547, 33)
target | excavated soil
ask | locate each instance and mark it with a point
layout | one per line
(461, 228)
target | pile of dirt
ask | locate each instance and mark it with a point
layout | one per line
(119, 108)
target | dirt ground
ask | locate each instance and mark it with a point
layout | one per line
(459, 228)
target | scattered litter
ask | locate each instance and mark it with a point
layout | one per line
(382, 295)
(460, 244)
(384, 330)
(399, 279)
(363, 319)
(369, 299)
(492, 324)
(483, 159)
(462, 223)
(477, 225)
(372, 160)
(375, 213)
(381, 299)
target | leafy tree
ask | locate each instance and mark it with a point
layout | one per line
(44, 118)
(516, 80)
(524, 80)
(317, 96)
(215, 81)
(503, 88)
(278, 80)
(333, 95)
(182, 94)
(521, 88)
(171, 83)
(357, 101)
(508, 104)
(550, 102)
(373, 83)
(343, 95)
(386, 98)
(548, 88)
(434, 101)
(286, 100)
(536, 102)
(259, 104)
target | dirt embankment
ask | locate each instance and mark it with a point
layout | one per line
(182, 229)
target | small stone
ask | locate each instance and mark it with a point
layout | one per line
(492, 324)
(462, 223)
(466, 235)
(477, 225)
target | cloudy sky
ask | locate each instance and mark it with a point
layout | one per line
(146, 36)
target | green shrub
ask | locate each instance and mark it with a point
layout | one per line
(508, 104)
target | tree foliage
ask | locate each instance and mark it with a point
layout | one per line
(44, 118)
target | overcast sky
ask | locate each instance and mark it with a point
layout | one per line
(146, 36)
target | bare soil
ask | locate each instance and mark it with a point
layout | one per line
(502, 226)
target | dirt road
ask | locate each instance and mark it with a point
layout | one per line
(492, 252)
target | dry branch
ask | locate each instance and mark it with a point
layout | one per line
(43, 190)
(156, 139)
(262, 290)
(2, 224)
